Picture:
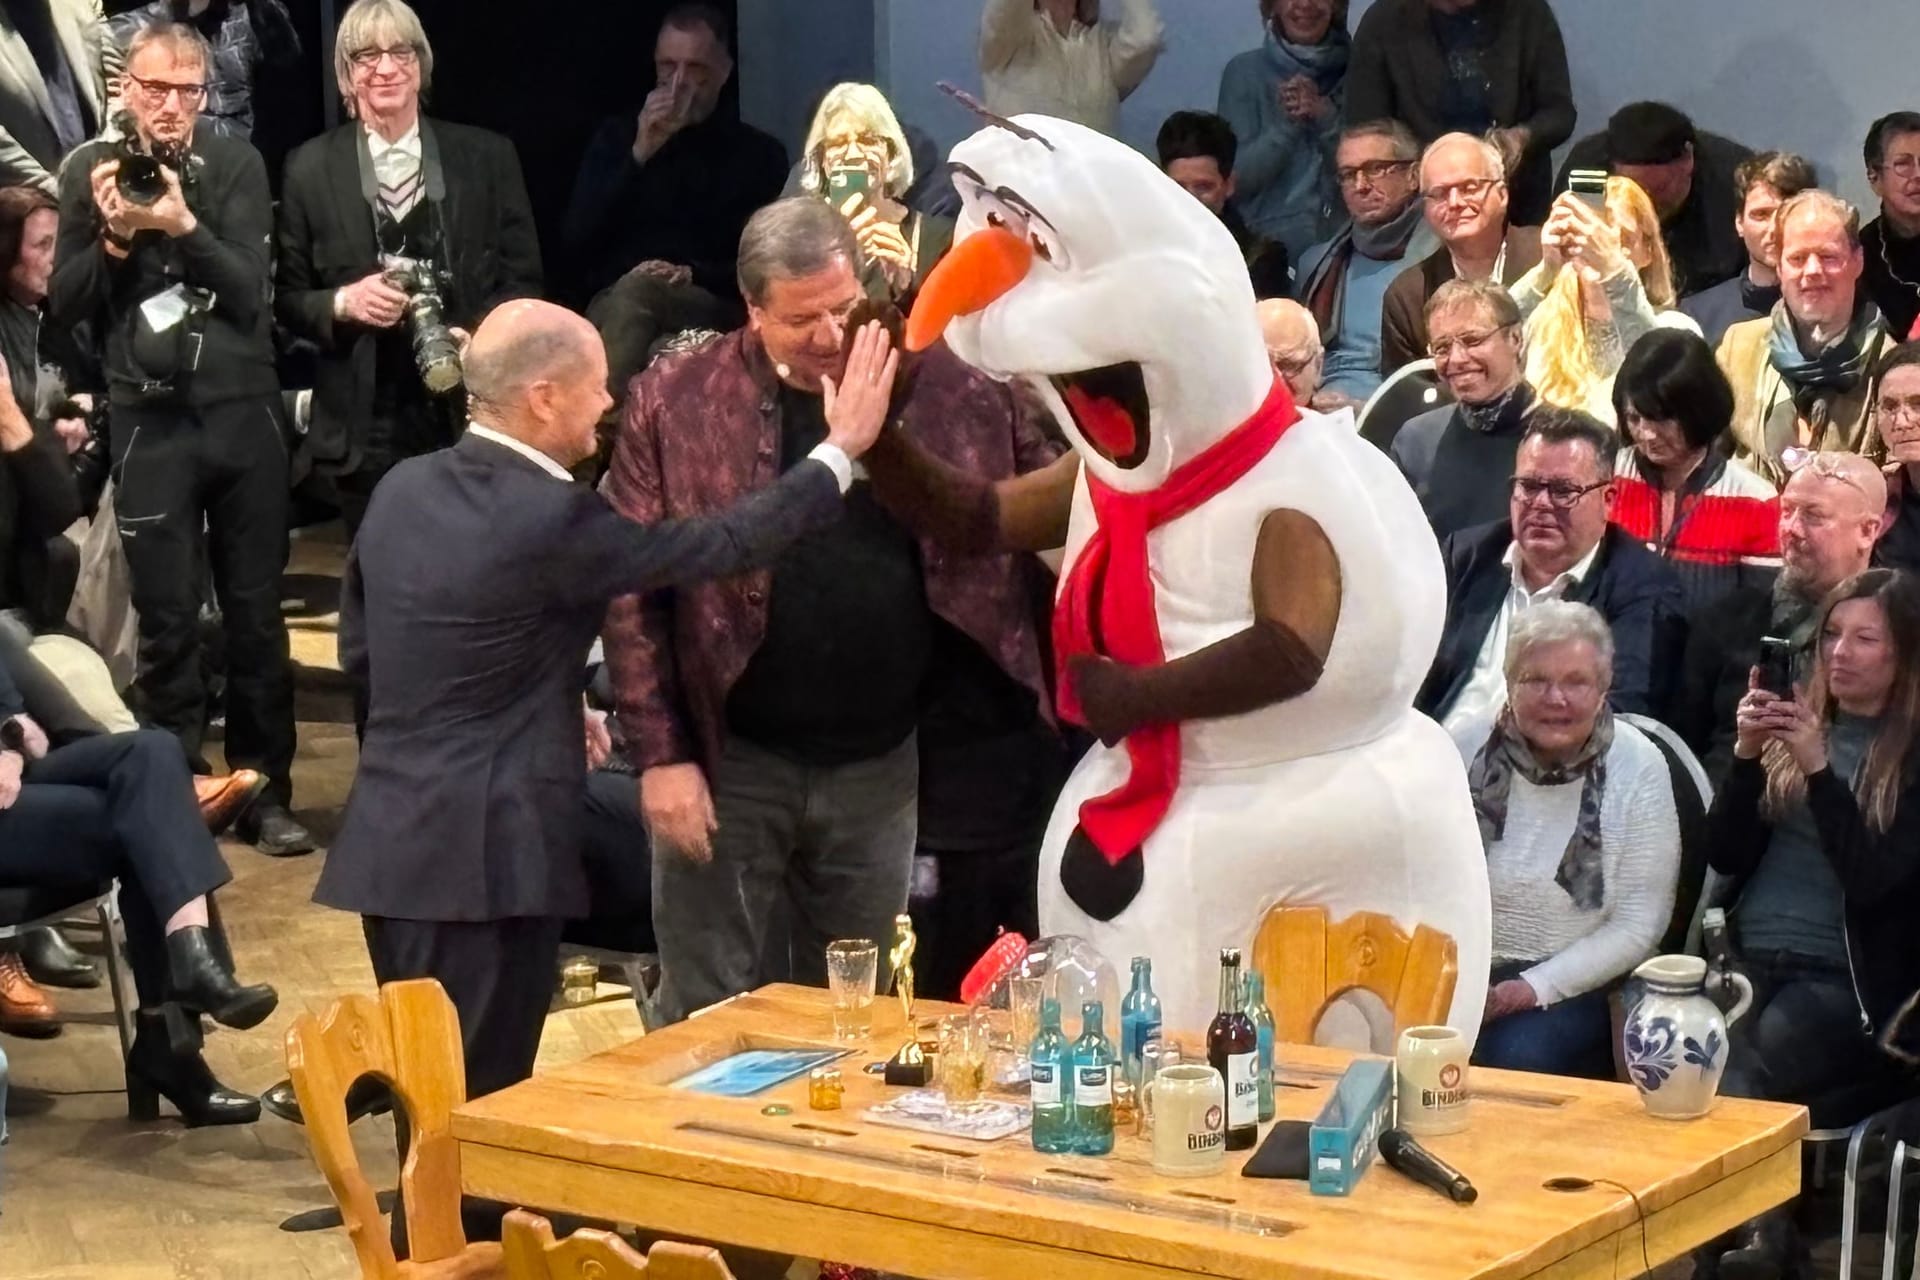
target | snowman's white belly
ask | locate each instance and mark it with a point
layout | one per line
(1382, 827)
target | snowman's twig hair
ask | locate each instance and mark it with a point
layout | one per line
(979, 108)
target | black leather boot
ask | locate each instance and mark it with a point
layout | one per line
(156, 1070)
(366, 1096)
(201, 983)
(52, 961)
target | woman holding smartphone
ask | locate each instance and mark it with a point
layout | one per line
(1819, 819)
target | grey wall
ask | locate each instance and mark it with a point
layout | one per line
(792, 52)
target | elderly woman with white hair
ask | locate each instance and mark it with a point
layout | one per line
(857, 159)
(1583, 847)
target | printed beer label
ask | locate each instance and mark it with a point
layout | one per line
(1243, 1089)
(1046, 1086)
(1093, 1087)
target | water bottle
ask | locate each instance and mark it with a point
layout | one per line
(1052, 1087)
(1093, 1067)
(1263, 1033)
(1139, 1018)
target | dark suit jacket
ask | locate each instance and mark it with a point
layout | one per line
(29, 153)
(325, 239)
(1634, 590)
(1403, 312)
(471, 598)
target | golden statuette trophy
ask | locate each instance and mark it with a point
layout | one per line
(910, 1065)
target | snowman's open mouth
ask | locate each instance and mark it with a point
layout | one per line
(1110, 408)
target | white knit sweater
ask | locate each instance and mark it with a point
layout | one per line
(1027, 65)
(1533, 918)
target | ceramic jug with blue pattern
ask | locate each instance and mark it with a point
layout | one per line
(1675, 1040)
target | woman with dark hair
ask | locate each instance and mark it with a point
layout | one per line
(1896, 416)
(1675, 488)
(1819, 819)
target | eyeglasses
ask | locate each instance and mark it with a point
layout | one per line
(1472, 190)
(1290, 364)
(1901, 167)
(1563, 494)
(1573, 688)
(1443, 348)
(1369, 174)
(403, 55)
(156, 91)
(1892, 407)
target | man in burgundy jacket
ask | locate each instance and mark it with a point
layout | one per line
(773, 715)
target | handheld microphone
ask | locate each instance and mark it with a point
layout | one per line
(1408, 1157)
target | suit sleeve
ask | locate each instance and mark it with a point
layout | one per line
(299, 303)
(49, 496)
(520, 274)
(1369, 85)
(1648, 637)
(1871, 864)
(232, 262)
(1737, 833)
(1400, 324)
(1553, 113)
(352, 633)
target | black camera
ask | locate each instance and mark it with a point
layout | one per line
(139, 178)
(435, 352)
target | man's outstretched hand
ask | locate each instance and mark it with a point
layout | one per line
(857, 406)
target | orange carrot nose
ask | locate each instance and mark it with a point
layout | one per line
(982, 267)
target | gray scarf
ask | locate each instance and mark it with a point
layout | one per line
(1490, 779)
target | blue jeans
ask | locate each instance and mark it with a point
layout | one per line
(1572, 1038)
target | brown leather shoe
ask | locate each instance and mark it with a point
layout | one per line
(225, 797)
(25, 1009)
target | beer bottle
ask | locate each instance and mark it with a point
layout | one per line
(1094, 1063)
(1139, 1018)
(1263, 1034)
(1233, 1049)
(1052, 1084)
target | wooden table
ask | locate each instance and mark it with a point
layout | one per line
(605, 1138)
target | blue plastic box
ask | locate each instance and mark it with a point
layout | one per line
(1341, 1143)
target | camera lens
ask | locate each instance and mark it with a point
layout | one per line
(140, 180)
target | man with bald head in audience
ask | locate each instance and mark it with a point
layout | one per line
(1830, 514)
(472, 596)
(1293, 344)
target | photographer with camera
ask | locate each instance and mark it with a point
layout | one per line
(163, 237)
(393, 228)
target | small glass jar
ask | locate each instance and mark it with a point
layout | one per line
(579, 980)
(825, 1089)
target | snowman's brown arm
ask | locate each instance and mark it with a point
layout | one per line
(968, 512)
(1296, 605)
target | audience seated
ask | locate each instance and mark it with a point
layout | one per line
(1689, 175)
(1555, 544)
(1495, 67)
(248, 39)
(1583, 847)
(1603, 280)
(1830, 514)
(1293, 344)
(1284, 101)
(1197, 150)
(1065, 58)
(1892, 240)
(1817, 821)
(1459, 456)
(1802, 377)
(1465, 196)
(855, 135)
(51, 102)
(670, 189)
(1897, 419)
(1343, 281)
(1761, 184)
(1675, 489)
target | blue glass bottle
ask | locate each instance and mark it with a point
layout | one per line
(1139, 1018)
(1052, 1087)
(1094, 1063)
(1263, 1031)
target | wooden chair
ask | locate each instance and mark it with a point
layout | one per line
(590, 1254)
(410, 1038)
(1308, 962)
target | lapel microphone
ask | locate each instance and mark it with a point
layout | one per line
(1408, 1157)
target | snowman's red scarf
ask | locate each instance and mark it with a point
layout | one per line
(1106, 608)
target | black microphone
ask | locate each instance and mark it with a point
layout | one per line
(1408, 1157)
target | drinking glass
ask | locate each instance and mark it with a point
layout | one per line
(851, 968)
(961, 1068)
(1156, 1056)
(1023, 997)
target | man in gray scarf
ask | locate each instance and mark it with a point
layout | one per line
(1343, 281)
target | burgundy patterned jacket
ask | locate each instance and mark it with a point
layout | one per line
(701, 431)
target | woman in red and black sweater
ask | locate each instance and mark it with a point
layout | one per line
(1675, 489)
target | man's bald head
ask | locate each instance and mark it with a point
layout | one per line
(1830, 514)
(1293, 344)
(534, 371)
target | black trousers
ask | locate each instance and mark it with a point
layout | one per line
(500, 976)
(220, 468)
(619, 859)
(120, 805)
(981, 893)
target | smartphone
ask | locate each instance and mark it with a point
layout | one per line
(846, 182)
(1776, 666)
(1590, 185)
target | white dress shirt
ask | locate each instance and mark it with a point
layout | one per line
(396, 167)
(1470, 718)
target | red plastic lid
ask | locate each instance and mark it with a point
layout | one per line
(1002, 958)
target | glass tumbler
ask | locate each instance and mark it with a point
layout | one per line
(852, 964)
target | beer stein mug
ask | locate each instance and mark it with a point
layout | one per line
(1431, 1085)
(1187, 1103)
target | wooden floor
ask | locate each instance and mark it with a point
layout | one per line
(87, 1194)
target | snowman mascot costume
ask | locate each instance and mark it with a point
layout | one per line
(1250, 595)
